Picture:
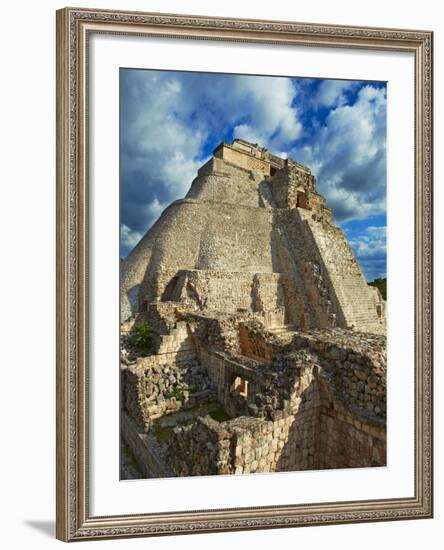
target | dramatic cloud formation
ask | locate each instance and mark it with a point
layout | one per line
(271, 117)
(348, 155)
(333, 92)
(170, 122)
(158, 152)
(370, 250)
(128, 237)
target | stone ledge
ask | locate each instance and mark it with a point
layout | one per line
(146, 451)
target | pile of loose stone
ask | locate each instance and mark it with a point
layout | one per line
(195, 449)
(218, 330)
(128, 354)
(279, 382)
(291, 373)
(353, 363)
(152, 390)
(161, 380)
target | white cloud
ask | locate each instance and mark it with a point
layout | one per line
(166, 119)
(370, 248)
(332, 92)
(371, 244)
(128, 238)
(161, 146)
(159, 151)
(273, 119)
(169, 121)
(154, 209)
(245, 131)
(348, 155)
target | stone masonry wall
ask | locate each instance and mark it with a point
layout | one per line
(345, 277)
(321, 406)
(149, 456)
(253, 344)
(227, 291)
(219, 237)
(219, 181)
(202, 448)
(310, 301)
(286, 184)
(325, 287)
(353, 364)
(229, 154)
(222, 372)
(151, 390)
(349, 441)
(319, 435)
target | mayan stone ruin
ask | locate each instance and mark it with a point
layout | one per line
(267, 346)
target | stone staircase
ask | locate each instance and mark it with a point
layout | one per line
(285, 334)
(283, 329)
(351, 290)
(177, 340)
(297, 303)
(300, 258)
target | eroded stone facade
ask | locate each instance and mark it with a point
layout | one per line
(268, 345)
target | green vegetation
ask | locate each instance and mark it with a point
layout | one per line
(186, 417)
(381, 284)
(141, 339)
(163, 434)
(219, 414)
(178, 392)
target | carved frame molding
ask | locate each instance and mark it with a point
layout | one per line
(73, 520)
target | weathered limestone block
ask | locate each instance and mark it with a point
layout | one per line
(151, 390)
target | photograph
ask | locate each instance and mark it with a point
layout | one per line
(253, 278)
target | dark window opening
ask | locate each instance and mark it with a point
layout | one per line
(168, 294)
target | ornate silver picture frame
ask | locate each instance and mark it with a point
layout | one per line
(75, 519)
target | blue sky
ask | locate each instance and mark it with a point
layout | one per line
(170, 122)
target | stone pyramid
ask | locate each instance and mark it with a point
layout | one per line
(252, 234)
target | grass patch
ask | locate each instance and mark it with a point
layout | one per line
(219, 415)
(211, 407)
(163, 434)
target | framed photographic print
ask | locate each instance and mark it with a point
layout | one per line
(244, 274)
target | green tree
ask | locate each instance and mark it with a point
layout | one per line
(380, 284)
